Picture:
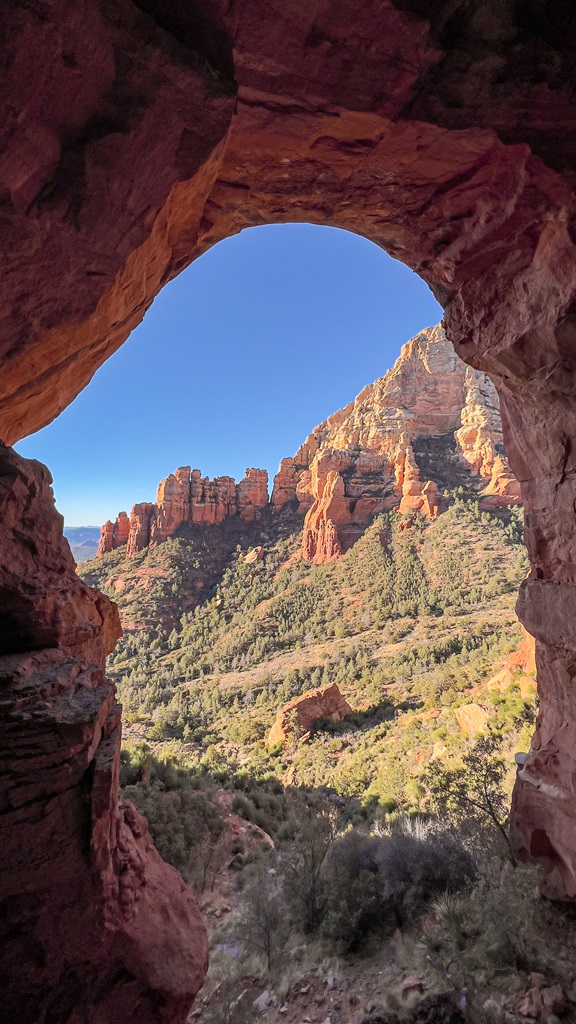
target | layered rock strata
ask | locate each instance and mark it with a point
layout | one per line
(114, 534)
(98, 927)
(186, 497)
(359, 462)
(362, 460)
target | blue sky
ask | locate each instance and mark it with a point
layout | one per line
(237, 360)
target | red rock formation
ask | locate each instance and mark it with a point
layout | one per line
(503, 489)
(254, 556)
(320, 542)
(135, 136)
(525, 657)
(114, 535)
(429, 394)
(212, 501)
(140, 520)
(187, 497)
(299, 715)
(172, 505)
(252, 493)
(481, 442)
(122, 530)
(285, 482)
(522, 660)
(416, 496)
(98, 926)
(471, 718)
(106, 542)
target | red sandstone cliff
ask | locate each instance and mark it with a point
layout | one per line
(431, 422)
(96, 926)
(113, 535)
(186, 497)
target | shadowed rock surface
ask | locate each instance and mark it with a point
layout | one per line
(95, 927)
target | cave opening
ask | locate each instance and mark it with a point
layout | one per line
(126, 154)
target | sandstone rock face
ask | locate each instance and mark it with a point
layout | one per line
(252, 493)
(186, 497)
(254, 556)
(114, 535)
(98, 926)
(135, 136)
(416, 496)
(299, 715)
(429, 396)
(140, 527)
(472, 718)
(522, 661)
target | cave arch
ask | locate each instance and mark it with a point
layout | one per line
(136, 135)
(259, 330)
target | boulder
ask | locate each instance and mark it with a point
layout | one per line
(472, 718)
(298, 716)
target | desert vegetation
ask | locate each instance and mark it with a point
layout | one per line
(392, 822)
(408, 624)
(433, 897)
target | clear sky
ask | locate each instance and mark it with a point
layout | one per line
(235, 363)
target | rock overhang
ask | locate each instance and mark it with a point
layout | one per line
(132, 140)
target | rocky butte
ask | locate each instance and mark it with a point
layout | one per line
(430, 424)
(186, 497)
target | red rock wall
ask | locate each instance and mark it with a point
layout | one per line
(133, 138)
(186, 497)
(429, 393)
(114, 535)
(94, 926)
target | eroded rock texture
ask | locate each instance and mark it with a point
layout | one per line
(429, 425)
(134, 136)
(185, 497)
(94, 926)
(298, 716)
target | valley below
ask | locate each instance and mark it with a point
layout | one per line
(352, 861)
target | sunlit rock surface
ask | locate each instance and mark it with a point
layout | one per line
(186, 497)
(431, 423)
(298, 716)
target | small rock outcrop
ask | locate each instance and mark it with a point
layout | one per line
(299, 715)
(186, 497)
(472, 718)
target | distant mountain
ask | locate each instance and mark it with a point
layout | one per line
(430, 426)
(83, 541)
